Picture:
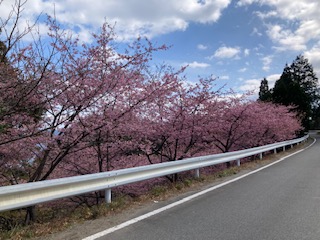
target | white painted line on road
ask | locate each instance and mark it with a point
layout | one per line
(186, 199)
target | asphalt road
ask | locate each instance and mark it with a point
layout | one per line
(280, 202)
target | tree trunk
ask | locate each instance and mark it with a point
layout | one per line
(174, 177)
(30, 215)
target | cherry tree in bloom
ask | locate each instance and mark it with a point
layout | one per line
(78, 89)
(242, 124)
(173, 127)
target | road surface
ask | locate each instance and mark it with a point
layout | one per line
(279, 202)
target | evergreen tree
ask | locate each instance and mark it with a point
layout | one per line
(264, 93)
(302, 73)
(297, 86)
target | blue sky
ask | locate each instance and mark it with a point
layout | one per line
(238, 41)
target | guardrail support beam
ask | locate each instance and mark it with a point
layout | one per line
(275, 151)
(284, 148)
(260, 155)
(197, 173)
(107, 195)
(238, 162)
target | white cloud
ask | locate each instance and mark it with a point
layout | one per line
(242, 70)
(293, 9)
(265, 15)
(266, 61)
(301, 25)
(227, 52)
(196, 64)
(287, 9)
(202, 47)
(286, 39)
(255, 31)
(254, 84)
(246, 52)
(133, 18)
(241, 3)
(29, 13)
(313, 55)
(224, 77)
(272, 79)
(250, 85)
(309, 29)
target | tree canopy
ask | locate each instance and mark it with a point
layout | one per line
(297, 87)
(265, 94)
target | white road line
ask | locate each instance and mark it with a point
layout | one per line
(186, 199)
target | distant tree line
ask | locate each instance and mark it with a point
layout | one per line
(296, 87)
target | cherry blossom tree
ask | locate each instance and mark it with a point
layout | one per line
(75, 91)
(173, 129)
(241, 124)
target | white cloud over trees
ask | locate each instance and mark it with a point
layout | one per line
(227, 52)
(132, 18)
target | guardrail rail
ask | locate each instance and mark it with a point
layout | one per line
(30, 194)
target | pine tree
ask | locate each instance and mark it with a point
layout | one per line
(297, 86)
(264, 93)
(302, 73)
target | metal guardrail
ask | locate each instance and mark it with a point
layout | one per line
(29, 194)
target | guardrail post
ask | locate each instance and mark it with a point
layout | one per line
(275, 151)
(238, 162)
(260, 156)
(291, 145)
(197, 173)
(107, 195)
(284, 148)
